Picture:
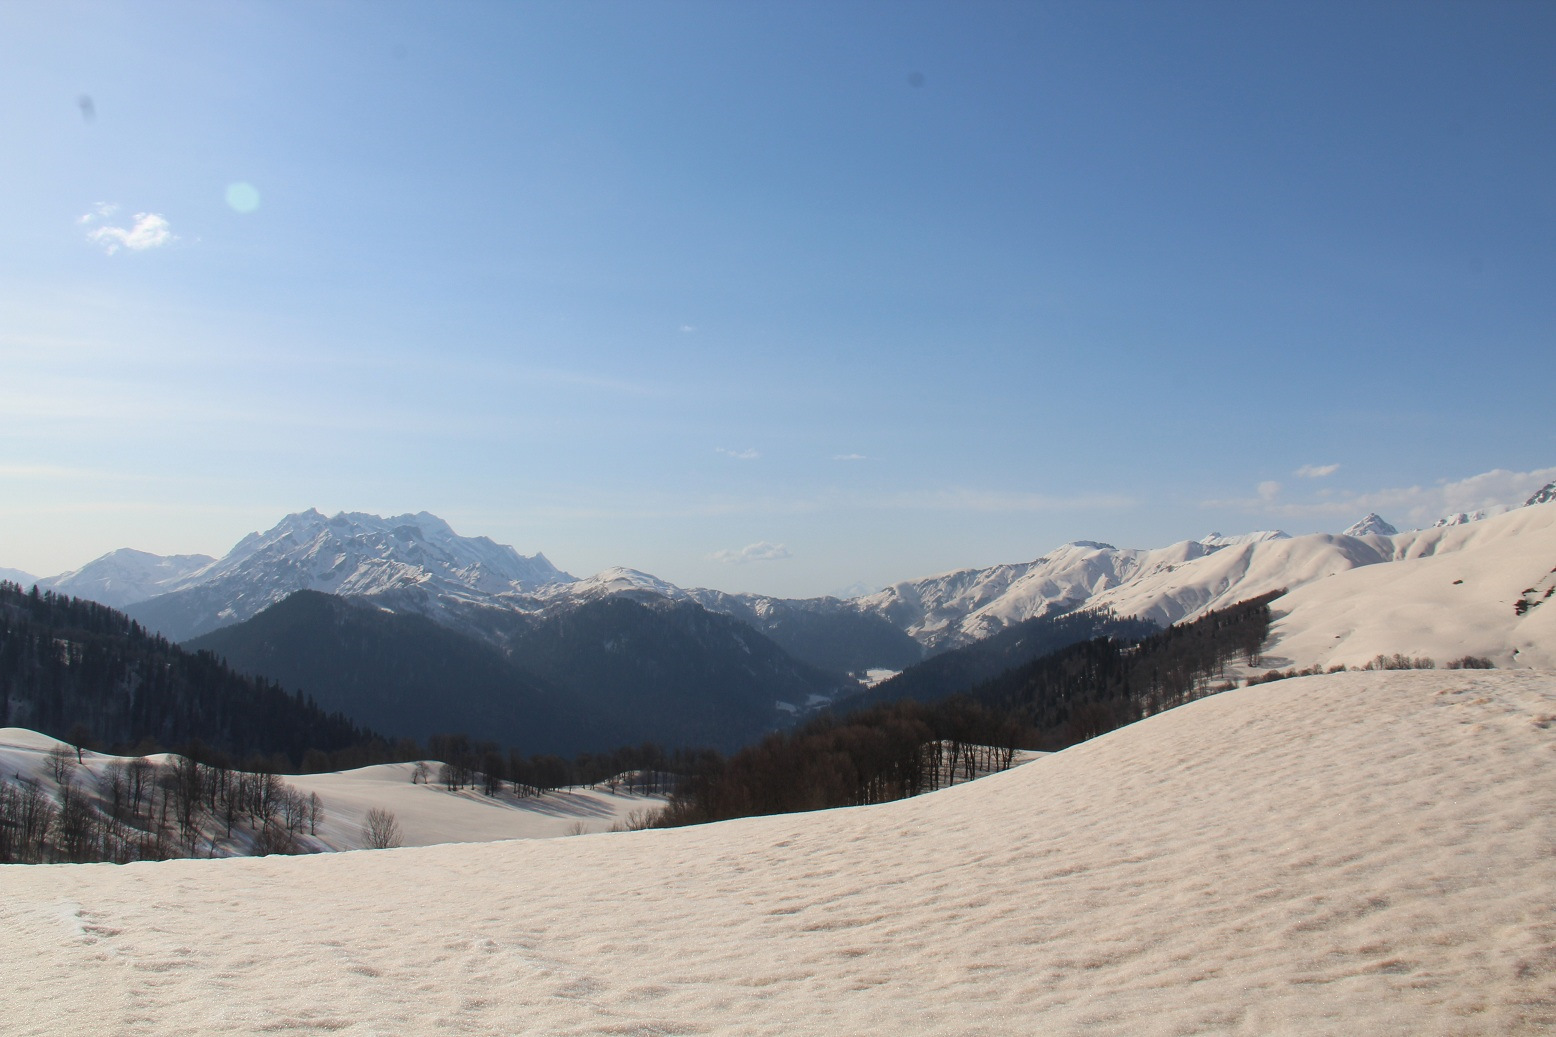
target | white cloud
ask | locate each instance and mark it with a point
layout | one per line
(1316, 471)
(740, 455)
(100, 211)
(146, 230)
(1269, 490)
(688, 328)
(758, 552)
(849, 457)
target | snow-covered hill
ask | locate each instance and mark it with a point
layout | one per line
(417, 558)
(1352, 853)
(1481, 589)
(427, 814)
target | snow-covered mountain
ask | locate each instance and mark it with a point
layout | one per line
(16, 576)
(1179, 582)
(125, 576)
(1163, 585)
(1372, 524)
(416, 563)
(418, 559)
(1544, 495)
(1462, 518)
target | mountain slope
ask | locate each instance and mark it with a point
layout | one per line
(961, 669)
(583, 676)
(403, 675)
(669, 672)
(1352, 853)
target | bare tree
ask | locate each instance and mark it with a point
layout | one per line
(380, 830)
(61, 762)
(139, 773)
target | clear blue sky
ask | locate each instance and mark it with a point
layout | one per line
(770, 296)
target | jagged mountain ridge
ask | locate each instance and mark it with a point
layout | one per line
(416, 563)
(419, 557)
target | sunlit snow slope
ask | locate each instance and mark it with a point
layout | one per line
(1450, 591)
(1354, 853)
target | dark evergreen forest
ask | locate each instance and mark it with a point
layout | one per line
(87, 674)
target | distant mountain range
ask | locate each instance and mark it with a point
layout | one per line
(418, 564)
(411, 629)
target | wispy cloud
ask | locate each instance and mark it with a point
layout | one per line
(1316, 471)
(962, 499)
(849, 457)
(146, 230)
(740, 455)
(758, 552)
(1415, 506)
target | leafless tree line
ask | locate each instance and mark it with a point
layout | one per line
(144, 810)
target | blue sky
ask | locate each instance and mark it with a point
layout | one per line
(782, 297)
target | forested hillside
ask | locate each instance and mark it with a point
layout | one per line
(85, 673)
(956, 671)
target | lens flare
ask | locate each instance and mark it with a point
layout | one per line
(242, 196)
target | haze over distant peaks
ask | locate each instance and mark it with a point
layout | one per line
(125, 576)
(1372, 524)
(16, 576)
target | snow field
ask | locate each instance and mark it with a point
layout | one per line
(427, 814)
(1350, 853)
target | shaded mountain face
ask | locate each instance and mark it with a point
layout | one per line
(349, 554)
(1544, 495)
(670, 672)
(826, 633)
(413, 677)
(589, 676)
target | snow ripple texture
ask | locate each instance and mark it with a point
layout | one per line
(1352, 853)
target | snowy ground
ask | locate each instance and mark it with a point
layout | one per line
(1353, 853)
(427, 814)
